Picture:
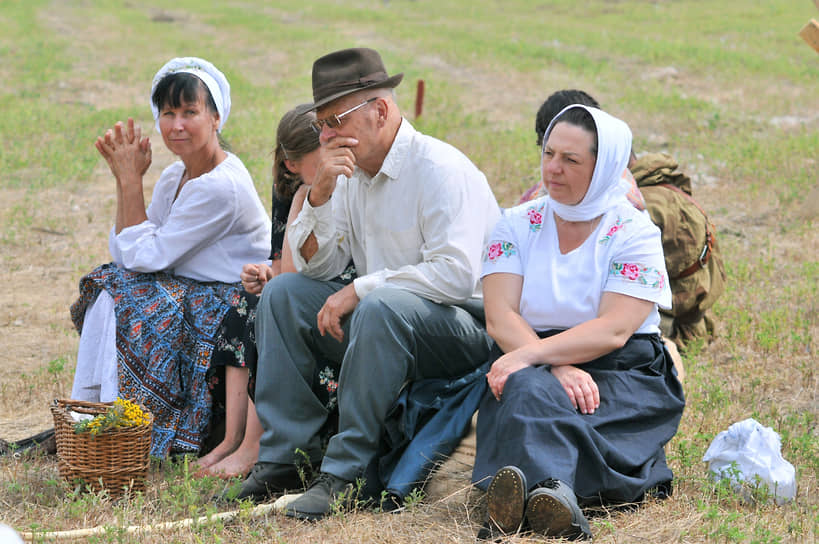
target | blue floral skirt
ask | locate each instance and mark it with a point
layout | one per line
(167, 330)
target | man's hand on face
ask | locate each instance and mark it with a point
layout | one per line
(336, 158)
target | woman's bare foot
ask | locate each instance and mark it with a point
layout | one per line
(224, 449)
(237, 463)
(240, 461)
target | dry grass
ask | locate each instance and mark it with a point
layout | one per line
(762, 365)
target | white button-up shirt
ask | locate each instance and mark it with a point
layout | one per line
(419, 224)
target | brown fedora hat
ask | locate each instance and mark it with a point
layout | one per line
(344, 72)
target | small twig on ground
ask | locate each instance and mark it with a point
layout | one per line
(49, 231)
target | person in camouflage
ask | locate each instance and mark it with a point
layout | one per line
(692, 258)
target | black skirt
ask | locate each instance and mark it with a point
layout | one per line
(615, 454)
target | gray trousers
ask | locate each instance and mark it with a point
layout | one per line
(392, 337)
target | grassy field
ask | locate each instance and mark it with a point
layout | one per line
(728, 88)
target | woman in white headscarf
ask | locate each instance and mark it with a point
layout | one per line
(582, 394)
(149, 319)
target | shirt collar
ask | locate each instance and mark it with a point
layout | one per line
(396, 157)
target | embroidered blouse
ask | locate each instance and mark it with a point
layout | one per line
(623, 255)
(215, 226)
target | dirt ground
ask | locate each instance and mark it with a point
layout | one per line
(56, 235)
(64, 237)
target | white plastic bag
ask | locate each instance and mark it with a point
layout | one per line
(9, 535)
(756, 450)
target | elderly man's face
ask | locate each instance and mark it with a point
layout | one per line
(344, 117)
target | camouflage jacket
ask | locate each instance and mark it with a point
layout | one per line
(694, 287)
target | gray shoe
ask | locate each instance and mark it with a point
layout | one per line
(506, 499)
(318, 501)
(553, 511)
(265, 481)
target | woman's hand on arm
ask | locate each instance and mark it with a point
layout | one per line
(618, 318)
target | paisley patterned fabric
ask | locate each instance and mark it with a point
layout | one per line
(166, 333)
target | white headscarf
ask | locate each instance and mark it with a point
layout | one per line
(613, 151)
(213, 79)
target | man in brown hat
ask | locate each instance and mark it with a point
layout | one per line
(413, 214)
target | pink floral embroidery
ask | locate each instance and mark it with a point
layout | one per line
(499, 249)
(644, 275)
(631, 271)
(618, 225)
(535, 218)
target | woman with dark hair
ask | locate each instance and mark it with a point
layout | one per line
(234, 360)
(553, 105)
(582, 392)
(149, 319)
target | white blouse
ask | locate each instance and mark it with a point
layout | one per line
(215, 226)
(623, 255)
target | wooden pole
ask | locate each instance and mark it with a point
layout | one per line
(419, 97)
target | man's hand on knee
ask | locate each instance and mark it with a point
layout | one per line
(337, 306)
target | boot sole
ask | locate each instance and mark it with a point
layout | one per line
(548, 515)
(506, 499)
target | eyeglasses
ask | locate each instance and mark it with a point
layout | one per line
(334, 121)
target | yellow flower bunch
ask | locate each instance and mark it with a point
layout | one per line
(123, 413)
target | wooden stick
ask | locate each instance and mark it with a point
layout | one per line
(419, 97)
(810, 33)
(75, 534)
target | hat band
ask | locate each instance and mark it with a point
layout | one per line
(365, 81)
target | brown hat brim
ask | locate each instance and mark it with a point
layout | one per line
(390, 82)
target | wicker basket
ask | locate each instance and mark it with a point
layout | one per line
(116, 459)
